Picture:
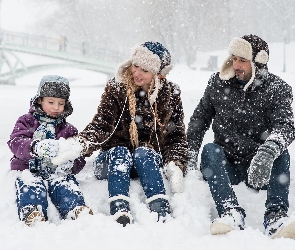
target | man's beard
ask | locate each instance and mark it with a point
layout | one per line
(240, 75)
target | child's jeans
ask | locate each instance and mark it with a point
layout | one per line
(64, 193)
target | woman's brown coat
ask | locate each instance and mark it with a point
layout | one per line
(110, 127)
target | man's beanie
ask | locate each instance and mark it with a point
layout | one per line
(54, 86)
(250, 47)
(151, 56)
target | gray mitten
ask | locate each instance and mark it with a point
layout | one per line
(64, 169)
(261, 165)
(192, 160)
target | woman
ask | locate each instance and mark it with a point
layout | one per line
(139, 128)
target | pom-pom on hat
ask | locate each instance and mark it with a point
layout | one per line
(250, 47)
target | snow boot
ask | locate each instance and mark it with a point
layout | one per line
(279, 225)
(120, 209)
(31, 214)
(160, 205)
(78, 211)
(231, 219)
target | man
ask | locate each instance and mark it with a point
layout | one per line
(253, 126)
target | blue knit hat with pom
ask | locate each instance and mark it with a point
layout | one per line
(151, 56)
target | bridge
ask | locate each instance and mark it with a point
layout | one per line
(75, 55)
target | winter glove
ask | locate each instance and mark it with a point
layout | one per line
(64, 169)
(38, 169)
(69, 150)
(192, 161)
(47, 148)
(175, 177)
(260, 167)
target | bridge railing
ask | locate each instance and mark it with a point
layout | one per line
(60, 44)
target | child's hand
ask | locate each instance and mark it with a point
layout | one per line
(69, 150)
(47, 148)
(64, 169)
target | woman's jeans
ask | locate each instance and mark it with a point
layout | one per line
(221, 174)
(116, 164)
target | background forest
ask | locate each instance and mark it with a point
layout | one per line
(184, 26)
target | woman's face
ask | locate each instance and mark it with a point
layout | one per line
(142, 78)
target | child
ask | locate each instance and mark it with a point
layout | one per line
(33, 142)
(139, 127)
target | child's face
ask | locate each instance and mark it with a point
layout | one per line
(52, 106)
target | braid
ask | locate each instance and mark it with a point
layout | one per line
(131, 88)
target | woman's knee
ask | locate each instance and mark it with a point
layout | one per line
(141, 154)
(119, 159)
(119, 152)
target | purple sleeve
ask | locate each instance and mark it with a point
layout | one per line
(21, 137)
(79, 164)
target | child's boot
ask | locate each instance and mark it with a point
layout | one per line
(78, 212)
(31, 214)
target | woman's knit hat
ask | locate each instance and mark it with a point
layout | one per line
(53, 86)
(151, 56)
(250, 47)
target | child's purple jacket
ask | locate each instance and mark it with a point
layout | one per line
(21, 140)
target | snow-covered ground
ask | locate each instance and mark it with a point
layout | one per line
(193, 210)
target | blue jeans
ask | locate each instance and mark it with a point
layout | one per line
(221, 175)
(64, 193)
(116, 164)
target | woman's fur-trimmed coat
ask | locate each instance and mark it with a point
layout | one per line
(170, 126)
(243, 120)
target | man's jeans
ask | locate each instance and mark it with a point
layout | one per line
(221, 174)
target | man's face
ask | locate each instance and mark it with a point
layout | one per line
(242, 67)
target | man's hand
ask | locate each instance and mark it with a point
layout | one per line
(192, 160)
(261, 165)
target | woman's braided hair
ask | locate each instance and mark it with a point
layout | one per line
(131, 88)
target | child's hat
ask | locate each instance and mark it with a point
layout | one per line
(250, 47)
(54, 86)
